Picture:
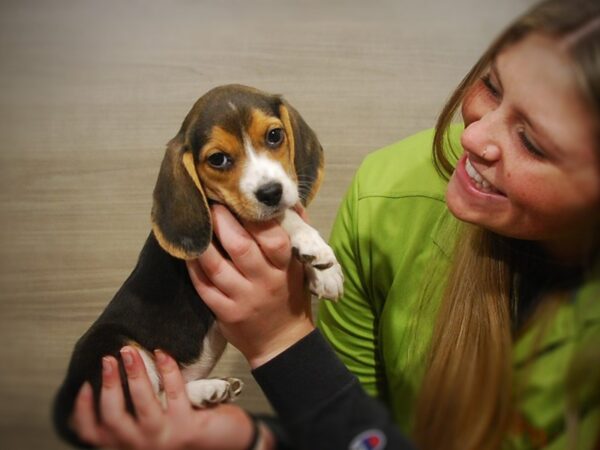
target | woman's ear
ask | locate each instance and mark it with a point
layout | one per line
(306, 151)
(180, 217)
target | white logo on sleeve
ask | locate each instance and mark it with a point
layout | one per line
(368, 440)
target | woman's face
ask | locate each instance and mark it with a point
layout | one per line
(531, 166)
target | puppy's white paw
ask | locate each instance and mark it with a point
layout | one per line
(214, 390)
(327, 283)
(311, 249)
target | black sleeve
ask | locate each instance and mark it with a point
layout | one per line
(321, 404)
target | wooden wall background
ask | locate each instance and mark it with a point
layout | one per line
(90, 92)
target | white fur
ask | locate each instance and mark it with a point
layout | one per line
(325, 278)
(151, 369)
(213, 390)
(261, 170)
(324, 273)
(201, 391)
(213, 347)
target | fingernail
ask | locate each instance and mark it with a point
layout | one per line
(86, 390)
(161, 357)
(106, 366)
(127, 357)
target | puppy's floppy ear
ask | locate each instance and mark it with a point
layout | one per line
(306, 152)
(180, 216)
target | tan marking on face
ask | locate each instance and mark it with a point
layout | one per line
(223, 185)
(260, 125)
(289, 133)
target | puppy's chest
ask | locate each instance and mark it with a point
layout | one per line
(212, 347)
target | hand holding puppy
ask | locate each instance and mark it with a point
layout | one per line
(259, 295)
(176, 426)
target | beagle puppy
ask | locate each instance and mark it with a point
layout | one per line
(238, 146)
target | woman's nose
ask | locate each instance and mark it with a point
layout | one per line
(480, 138)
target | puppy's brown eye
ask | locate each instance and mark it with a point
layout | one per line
(274, 137)
(220, 160)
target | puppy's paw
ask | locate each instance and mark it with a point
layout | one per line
(214, 390)
(326, 283)
(311, 249)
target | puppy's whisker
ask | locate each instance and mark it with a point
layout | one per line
(306, 185)
(306, 178)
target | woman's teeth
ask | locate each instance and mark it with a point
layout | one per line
(480, 183)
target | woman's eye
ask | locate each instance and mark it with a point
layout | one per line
(274, 137)
(220, 160)
(489, 85)
(530, 146)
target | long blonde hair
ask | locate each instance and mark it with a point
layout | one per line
(466, 397)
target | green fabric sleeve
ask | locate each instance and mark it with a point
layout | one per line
(351, 328)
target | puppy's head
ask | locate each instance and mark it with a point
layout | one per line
(238, 146)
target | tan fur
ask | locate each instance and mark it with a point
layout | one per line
(289, 134)
(223, 186)
(316, 185)
(261, 124)
(187, 230)
(166, 245)
(188, 163)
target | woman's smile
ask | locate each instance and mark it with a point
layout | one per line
(480, 182)
(529, 168)
(474, 185)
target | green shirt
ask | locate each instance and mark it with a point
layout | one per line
(393, 235)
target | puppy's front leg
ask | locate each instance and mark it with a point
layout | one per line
(325, 278)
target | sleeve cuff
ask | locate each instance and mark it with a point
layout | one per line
(307, 374)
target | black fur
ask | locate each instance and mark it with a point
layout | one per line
(308, 157)
(179, 209)
(157, 307)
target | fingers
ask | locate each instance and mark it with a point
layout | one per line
(299, 208)
(84, 419)
(112, 406)
(223, 306)
(240, 242)
(273, 241)
(148, 410)
(118, 427)
(173, 384)
(237, 242)
(225, 278)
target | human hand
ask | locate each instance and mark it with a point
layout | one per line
(178, 426)
(259, 295)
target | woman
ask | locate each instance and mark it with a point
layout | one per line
(475, 320)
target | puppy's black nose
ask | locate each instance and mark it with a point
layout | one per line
(269, 194)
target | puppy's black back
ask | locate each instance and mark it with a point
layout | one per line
(157, 307)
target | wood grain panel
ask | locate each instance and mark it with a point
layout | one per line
(91, 92)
